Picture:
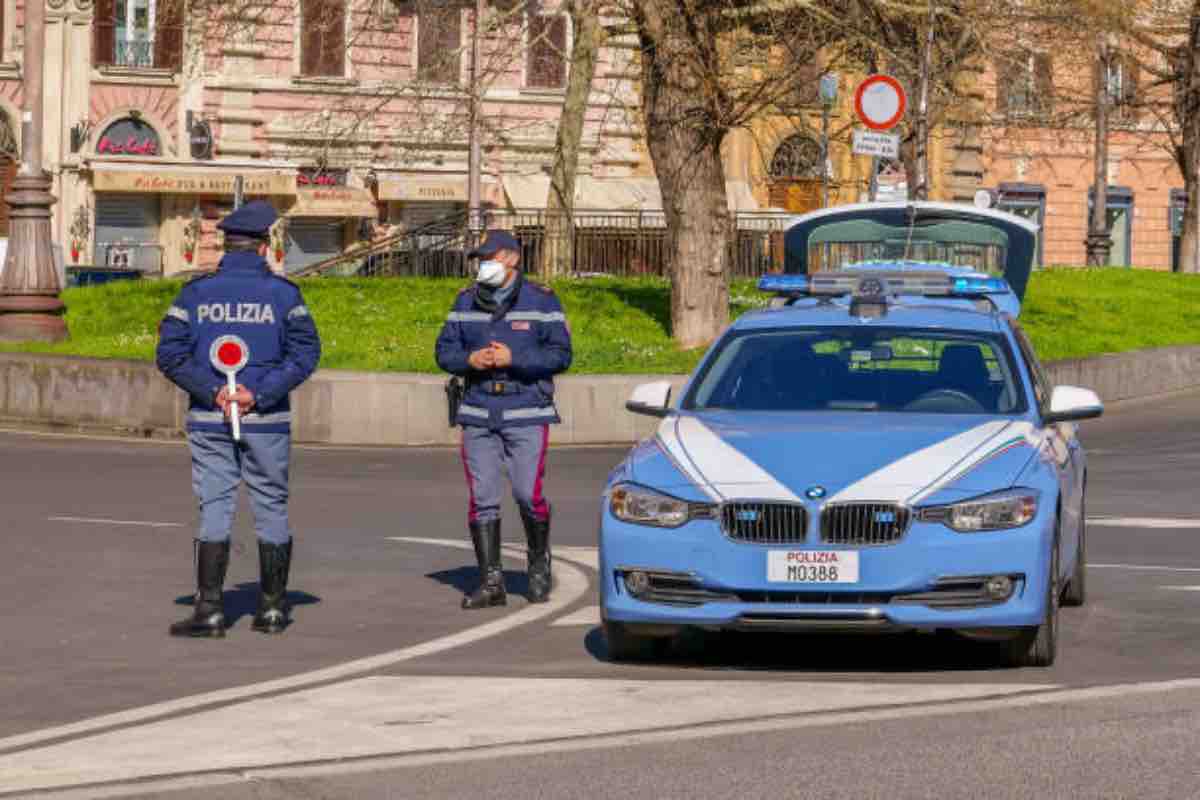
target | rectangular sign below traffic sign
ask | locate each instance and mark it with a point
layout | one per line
(870, 143)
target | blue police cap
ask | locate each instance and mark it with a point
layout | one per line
(493, 242)
(252, 220)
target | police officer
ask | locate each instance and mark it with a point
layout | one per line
(508, 338)
(245, 299)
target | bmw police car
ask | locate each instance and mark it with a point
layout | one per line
(877, 451)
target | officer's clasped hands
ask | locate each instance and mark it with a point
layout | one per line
(243, 397)
(496, 355)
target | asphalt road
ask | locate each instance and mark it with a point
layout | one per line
(384, 688)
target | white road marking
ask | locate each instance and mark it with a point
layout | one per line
(1181, 588)
(387, 715)
(1143, 567)
(1144, 522)
(571, 584)
(134, 522)
(589, 616)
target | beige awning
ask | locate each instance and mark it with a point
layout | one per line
(168, 180)
(451, 189)
(334, 201)
(610, 194)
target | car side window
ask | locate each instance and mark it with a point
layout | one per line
(1041, 387)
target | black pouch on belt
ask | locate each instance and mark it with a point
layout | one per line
(454, 397)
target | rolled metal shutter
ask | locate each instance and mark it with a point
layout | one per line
(312, 240)
(128, 224)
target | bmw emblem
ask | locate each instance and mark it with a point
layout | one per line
(815, 492)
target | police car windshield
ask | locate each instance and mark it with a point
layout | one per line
(852, 369)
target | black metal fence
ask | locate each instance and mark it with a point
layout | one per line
(619, 243)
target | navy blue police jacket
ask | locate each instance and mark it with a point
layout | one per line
(532, 324)
(245, 299)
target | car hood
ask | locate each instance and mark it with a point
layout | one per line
(836, 457)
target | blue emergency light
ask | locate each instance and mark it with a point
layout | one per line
(880, 283)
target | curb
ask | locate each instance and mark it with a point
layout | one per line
(131, 398)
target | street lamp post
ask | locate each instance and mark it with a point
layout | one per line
(30, 309)
(829, 91)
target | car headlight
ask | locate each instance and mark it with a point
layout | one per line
(1011, 508)
(632, 503)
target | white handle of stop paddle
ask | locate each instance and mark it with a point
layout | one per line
(233, 409)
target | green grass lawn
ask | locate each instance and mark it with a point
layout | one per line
(390, 324)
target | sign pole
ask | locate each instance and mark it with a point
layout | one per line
(238, 197)
(873, 185)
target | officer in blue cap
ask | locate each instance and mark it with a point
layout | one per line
(242, 299)
(508, 338)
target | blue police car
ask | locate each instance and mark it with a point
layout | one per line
(879, 450)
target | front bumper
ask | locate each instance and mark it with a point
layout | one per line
(931, 579)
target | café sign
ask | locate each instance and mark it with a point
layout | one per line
(129, 137)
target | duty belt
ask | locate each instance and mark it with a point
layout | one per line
(498, 388)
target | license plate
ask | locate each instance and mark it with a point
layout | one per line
(812, 566)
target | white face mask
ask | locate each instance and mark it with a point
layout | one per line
(491, 273)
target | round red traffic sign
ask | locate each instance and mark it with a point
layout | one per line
(880, 102)
(229, 354)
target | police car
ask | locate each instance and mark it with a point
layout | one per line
(879, 450)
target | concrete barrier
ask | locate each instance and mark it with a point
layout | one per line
(404, 409)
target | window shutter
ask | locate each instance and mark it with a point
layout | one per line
(104, 33)
(1131, 96)
(439, 41)
(1003, 82)
(8, 173)
(168, 35)
(547, 65)
(333, 43)
(311, 12)
(1043, 80)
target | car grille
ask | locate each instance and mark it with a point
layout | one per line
(863, 523)
(764, 523)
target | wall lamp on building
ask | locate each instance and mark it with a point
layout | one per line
(80, 132)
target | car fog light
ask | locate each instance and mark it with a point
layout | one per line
(637, 583)
(998, 587)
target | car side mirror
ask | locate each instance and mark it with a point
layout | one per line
(1071, 403)
(650, 399)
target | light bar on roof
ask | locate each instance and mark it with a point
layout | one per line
(883, 283)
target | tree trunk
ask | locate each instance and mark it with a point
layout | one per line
(684, 138)
(1187, 111)
(1099, 243)
(558, 250)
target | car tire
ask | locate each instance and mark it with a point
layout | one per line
(1038, 646)
(1075, 594)
(625, 645)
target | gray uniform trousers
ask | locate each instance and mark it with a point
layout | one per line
(519, 451)
(219, 465)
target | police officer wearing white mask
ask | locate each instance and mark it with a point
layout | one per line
(243, 301)
(508, 338)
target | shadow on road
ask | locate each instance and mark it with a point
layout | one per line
(242, 601)
(818, 653)
(466, 579)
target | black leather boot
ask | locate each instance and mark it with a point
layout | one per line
(208, 618)
(486, 538)
(537, 537)
(274, 561)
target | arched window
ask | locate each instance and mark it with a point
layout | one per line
(798, 157)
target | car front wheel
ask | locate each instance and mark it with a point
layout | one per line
(625, 645)
(1038, 646)
(1076, 591)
